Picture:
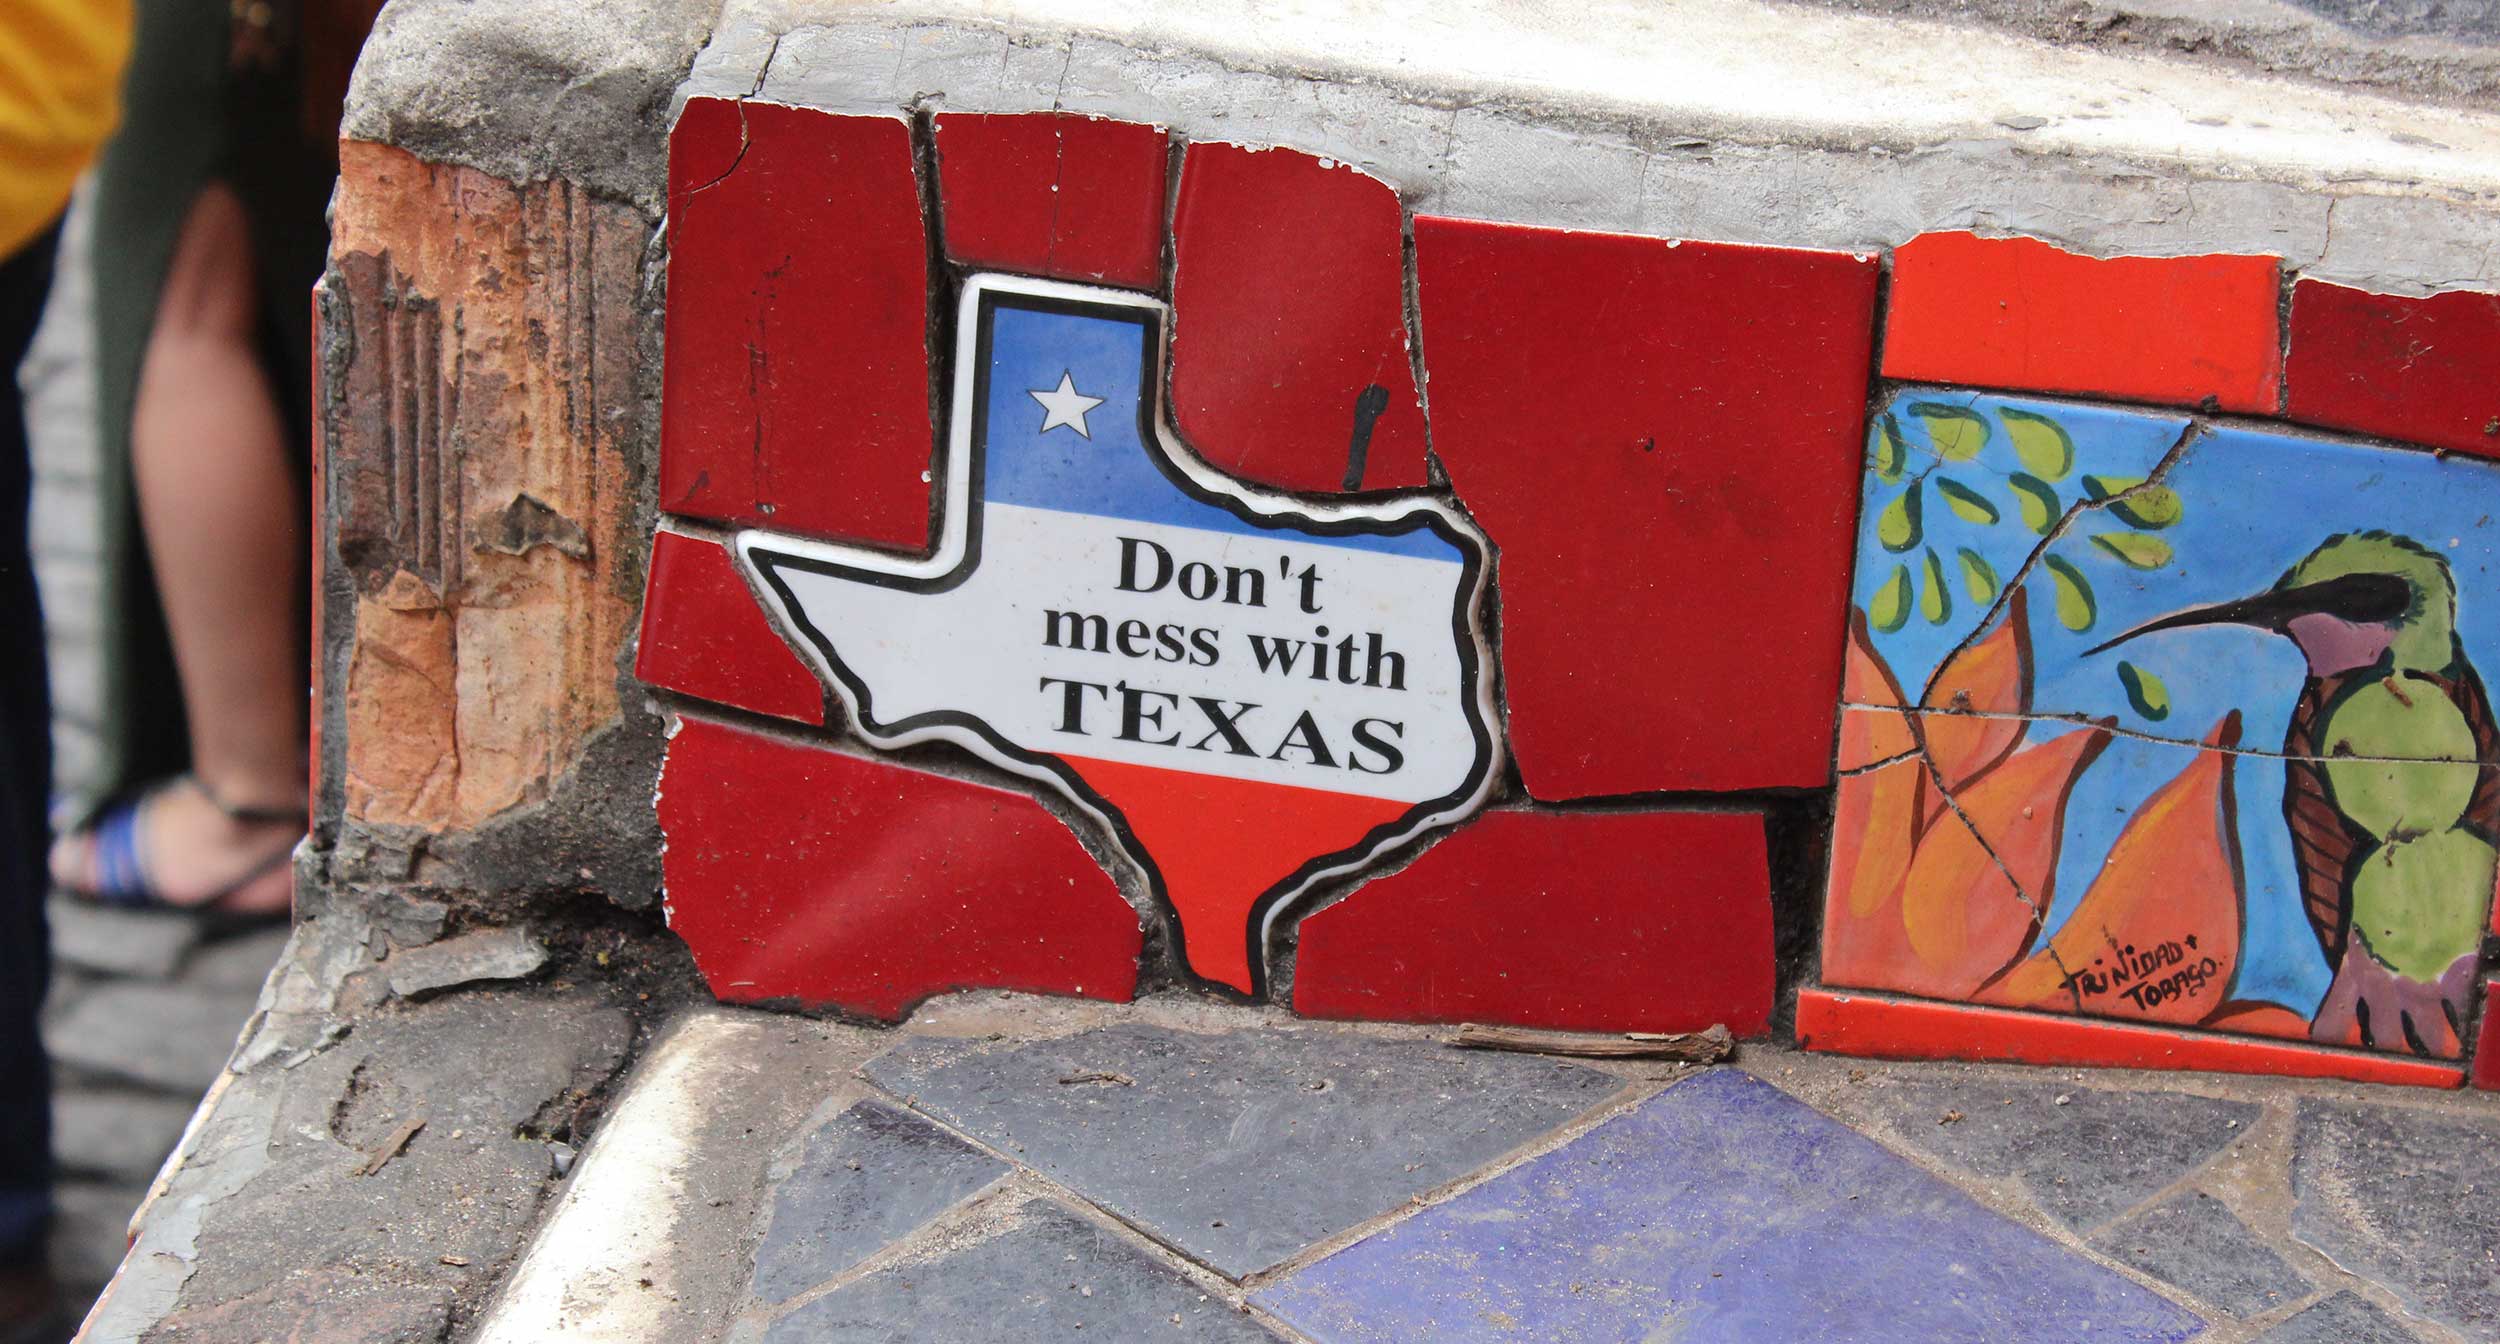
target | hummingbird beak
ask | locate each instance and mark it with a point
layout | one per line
(2243, 611)
(2364, 599)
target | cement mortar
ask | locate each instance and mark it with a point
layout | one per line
(527, 90)
(2412, 48)
(2346, 186)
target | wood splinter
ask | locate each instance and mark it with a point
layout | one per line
(391, 1147)
(1692, 1047)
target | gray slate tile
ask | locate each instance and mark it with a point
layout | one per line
(240, 962)
(866, 1177)
(2342, 1319)
(2193, 1241)
(173, 1037)
(508, 953)
(2086, 1161)
(147, 944)
(115, 1132)
(2409, 1198)
(90, 1229)
(1052, 1275)
(1243, 1148)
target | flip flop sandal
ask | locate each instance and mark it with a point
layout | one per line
(121, 869)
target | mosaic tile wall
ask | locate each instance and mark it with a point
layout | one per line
(1413, 618)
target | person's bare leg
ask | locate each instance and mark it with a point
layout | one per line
(225, 532)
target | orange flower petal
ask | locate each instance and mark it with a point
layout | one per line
(1862, 933)
(2158, 935)
(1966, 917)
(1869, 736)
(1991, 677)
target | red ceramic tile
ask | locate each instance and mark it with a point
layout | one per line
(2487, 1042)
(795, 393)
(1635, 921)
(1663, 441)
(2425, 370)
(837, 881)
(1289, 356)
(704, 634)
(1053, 193)
(1887, 1028)
(2018, 312)
(1216, 845)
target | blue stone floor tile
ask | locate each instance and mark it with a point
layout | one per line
(1722, 1211)
(2342, 1319)
(1050, 1275)
(866, 1177)
(1241, 1148)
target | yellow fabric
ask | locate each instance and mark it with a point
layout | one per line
(60, 92)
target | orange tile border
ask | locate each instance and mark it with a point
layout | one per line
(2023, 314)
(1851, 1022)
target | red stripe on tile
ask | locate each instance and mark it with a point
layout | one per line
(1220, 844)
(1664, 442)
(1633, 921)
(2020, 313)
(1054, 193)
(2424, 370)
(1888, 1028)
(704, 634)
(1289, 321)
(795, 390)
(803, 874)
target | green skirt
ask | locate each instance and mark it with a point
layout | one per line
(188, 120)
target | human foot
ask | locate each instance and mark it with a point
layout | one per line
(178, 846)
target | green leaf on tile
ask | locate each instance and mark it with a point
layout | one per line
(1971, 505)
(2144, 691)
(1979, 578)
(1891, 608)
(2044, 446)
(1957, 431)
(2076, 609)
(2134, 548)
(2038, 499)
(2152, 507)
(1900, 526)
(1892, 455)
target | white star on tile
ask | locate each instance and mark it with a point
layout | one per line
(1065, 406)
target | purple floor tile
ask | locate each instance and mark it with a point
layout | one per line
(1722, 1211)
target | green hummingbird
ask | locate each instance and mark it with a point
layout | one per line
(2393, 811)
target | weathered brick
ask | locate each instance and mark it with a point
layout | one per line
(476, 479)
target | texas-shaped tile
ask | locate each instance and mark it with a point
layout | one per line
(1250, 691)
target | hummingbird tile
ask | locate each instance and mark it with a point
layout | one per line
(2285, 820)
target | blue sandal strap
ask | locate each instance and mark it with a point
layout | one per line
(121, 875)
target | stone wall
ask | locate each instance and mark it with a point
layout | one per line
(1796, 397)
